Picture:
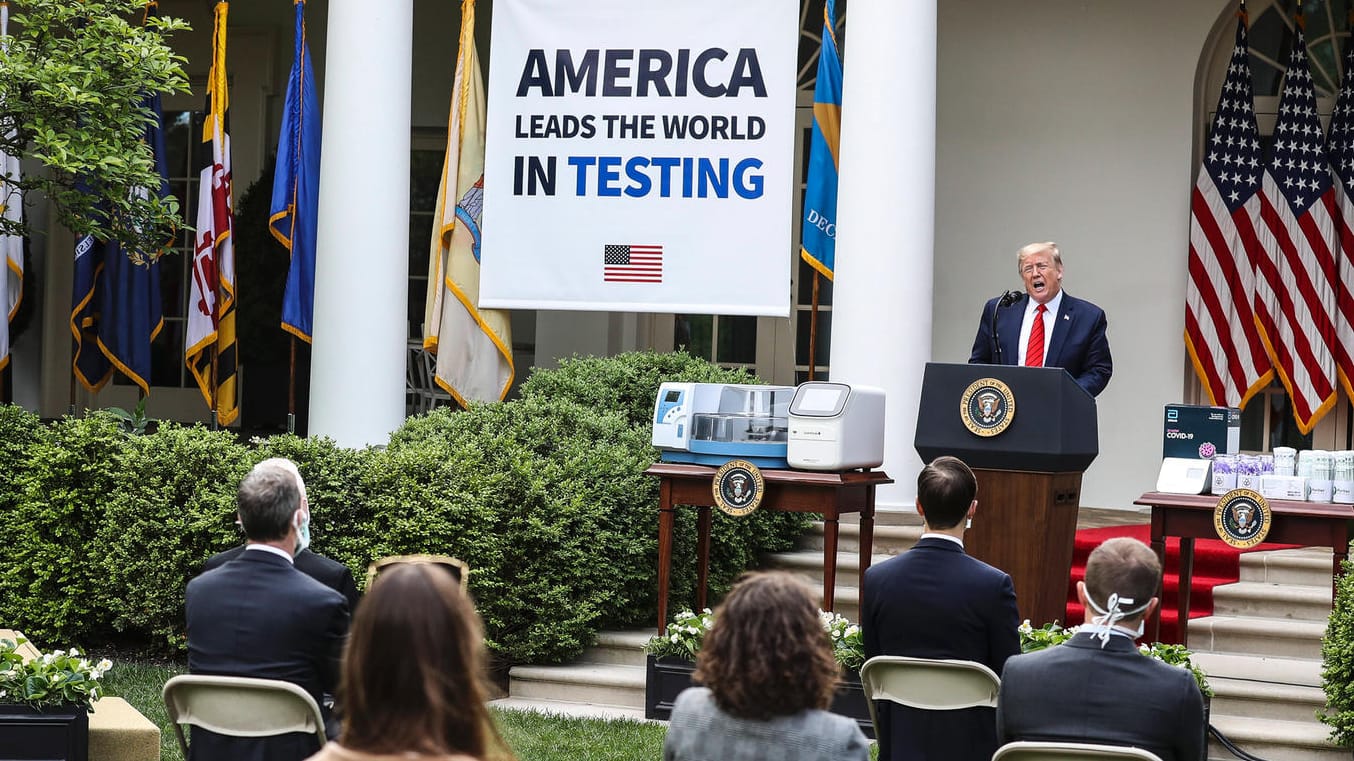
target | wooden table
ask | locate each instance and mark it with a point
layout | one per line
(796, 491)
(1190, 516)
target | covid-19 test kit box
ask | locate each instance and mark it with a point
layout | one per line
(1197, 432)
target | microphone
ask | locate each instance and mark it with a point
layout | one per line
(1009, 298)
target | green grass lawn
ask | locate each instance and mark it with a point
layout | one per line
(532, 737)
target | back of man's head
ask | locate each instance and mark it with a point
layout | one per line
(267, 501)
(1124, 567)
(946, 489)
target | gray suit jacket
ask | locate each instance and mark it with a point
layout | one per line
(1077, 692)
(700, 731)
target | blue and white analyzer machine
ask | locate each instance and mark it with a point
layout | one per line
(712, 423)
(836, 426)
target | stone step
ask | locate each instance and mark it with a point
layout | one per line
(1307, 566)
(1266, 700)
(1304, 672)
(618, 648)
(808, 565)
(1275, 740)
(1285, 638)
(1265, 600)
(887, 540)
(597, 684)
(572, 709)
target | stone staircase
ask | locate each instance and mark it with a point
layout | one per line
(1261, 648)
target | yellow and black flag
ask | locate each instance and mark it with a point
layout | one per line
(210, 348)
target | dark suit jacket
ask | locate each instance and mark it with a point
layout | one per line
(934, 601)
(1078, 343)
(1077, 692)
(260, 617)
(330, 573)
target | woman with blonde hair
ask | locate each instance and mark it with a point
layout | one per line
(413, 674)
(769, 675)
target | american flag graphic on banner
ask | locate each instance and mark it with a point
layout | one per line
(1296, 273)
(632, 264)
(1340, 148)
(1220, 332)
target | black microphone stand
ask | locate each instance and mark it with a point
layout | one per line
(1005, 300)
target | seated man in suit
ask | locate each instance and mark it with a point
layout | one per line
(260, 617)
(1097, 687)
(934, 601)
(330, 573)
(1046, 327)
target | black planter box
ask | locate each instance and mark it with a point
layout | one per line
(58, 733)
(665, 678)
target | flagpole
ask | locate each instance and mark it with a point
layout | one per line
(75, 349)
(813, 327)
(291, 389)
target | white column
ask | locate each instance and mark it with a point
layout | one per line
(362, 259)
(881, 302)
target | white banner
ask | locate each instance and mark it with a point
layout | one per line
(640, 156)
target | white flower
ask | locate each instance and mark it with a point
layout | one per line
(105, 664)
(852, 630)
(74, 652)
(675, 639)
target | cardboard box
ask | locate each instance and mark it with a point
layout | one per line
(1199, 432)
(1283, 487)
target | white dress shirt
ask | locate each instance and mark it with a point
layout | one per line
(1050, 319)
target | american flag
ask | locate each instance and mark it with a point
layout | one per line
(1220, 332)
(1296, 272)
(1340, 148)
(632, 263)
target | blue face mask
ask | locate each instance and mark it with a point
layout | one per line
(302, 531)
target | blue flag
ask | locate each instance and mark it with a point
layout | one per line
(296, 186)
(819, 242)
(130, 293)
(89, 364)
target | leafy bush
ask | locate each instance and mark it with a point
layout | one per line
(629, 383)
(532, 494)
(172, 508)
(48, 586)
(1337, 656)
(626, 383)
(545, 498)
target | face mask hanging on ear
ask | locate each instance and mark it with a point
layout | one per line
(302, 531)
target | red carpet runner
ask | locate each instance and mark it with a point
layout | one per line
(1214, 563)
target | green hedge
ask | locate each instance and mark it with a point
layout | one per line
(1337, 655)
(544, 497)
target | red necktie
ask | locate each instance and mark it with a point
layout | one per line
(1034, 352)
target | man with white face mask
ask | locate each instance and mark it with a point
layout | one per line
(1097, 687)
(258, 616)
(331, 573)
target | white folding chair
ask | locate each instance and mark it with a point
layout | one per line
(928, 683)
(240, 707)
(1056, 751)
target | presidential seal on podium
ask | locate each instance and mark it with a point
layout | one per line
(987, 407)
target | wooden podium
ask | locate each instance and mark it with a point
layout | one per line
(1029, 473)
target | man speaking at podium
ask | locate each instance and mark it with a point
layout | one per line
(1045, 327)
